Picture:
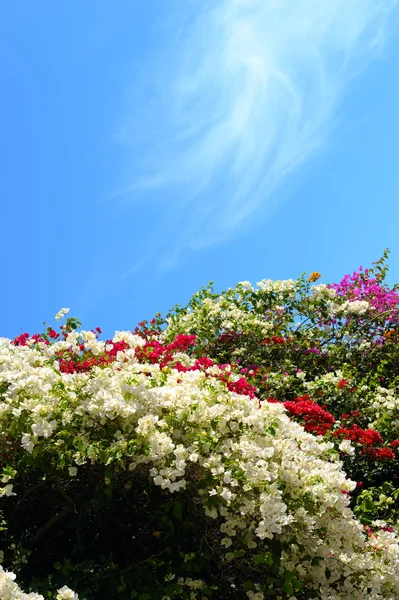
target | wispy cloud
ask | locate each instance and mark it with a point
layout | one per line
(239, 98)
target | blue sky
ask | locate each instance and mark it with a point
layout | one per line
(149, 147)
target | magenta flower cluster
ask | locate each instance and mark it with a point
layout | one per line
(365, 285)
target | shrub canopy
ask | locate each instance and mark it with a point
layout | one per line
(244, 447)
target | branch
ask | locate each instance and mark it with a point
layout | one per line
(54, 520)
(58, 517)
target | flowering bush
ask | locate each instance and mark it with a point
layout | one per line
(246, 450)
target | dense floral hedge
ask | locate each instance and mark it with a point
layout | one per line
(244, 447)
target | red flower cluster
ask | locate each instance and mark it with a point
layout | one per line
(229, 336)
(316, 419)
(240, 387)
(365, 437)
(379, 453)
(353, 413)
(148, 330)
(200, 363)
(275, 339)
(82, 363)
(368, 439)
(22, 339)
(153, 351)
(343, 383)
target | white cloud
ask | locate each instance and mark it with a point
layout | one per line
(239, 98)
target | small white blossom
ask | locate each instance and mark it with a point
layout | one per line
(7, 490)
(65, 593)
(346, 446)
(26, 442)
(61, 313)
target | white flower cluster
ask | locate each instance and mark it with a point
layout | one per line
(9, 590)
(61, 313)
(216, 315)
(283, 286)
(268, 477)
(327, 382)
(235, 319)
(355, 307)
(385, 402)
(323, 291)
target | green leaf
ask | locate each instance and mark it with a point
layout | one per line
(176, 511)
(266, 559)
(288, 588)
(248, 585)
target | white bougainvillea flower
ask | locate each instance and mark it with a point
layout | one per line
(61, 313)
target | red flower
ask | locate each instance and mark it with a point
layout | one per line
(21, 339)
(278, 340)
(205, 362)
(367, 437)
(343, 383)
(241, 387)
(381, 453)
(317, 420)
